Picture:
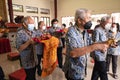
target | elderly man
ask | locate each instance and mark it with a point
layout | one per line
(25, 45)
(100, 35)
(78, 45)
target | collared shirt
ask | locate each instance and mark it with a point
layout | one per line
(27, 55)
(39, 46)
(100, 35)
(75, 67)
(51, 30)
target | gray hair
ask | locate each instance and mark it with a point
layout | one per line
(80, 13)
(25, 19)
(105, 18)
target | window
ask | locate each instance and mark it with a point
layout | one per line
(116, 17)
(35, 18)
(46, 21)
(67, 20)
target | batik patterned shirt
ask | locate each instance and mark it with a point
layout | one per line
(116, 50)
(27, 55)
(39, 46)
(75, 67)
(100, 35)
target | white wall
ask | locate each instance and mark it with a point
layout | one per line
(68, 7)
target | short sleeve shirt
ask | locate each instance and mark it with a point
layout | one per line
(75, 67)
(27, 55)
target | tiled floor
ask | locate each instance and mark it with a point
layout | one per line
(11, 66)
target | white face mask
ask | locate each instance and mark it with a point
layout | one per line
(44, 27)
(107, 26)
(55, 25)
(114, 29)
(30, 27)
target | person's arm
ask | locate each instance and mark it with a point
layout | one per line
(102, 46)
(25, 45)
(22, 42)
(77, 52)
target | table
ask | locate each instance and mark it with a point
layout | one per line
(4, 45)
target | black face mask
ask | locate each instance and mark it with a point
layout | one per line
(88, 25)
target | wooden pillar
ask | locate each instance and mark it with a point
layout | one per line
(55, 8)
(3, 11)
(10, 8)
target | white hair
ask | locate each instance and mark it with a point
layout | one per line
(105, 18)
(80, 13)
(25, 19)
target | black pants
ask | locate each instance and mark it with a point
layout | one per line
(63, 42)
(67, 77)
(30, 73)
(114, 62)
(99, 70)
(59, 56)
(1, 74)
(39, 62)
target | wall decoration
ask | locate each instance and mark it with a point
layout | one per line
(17, 8)
(30, 9)
(44, 11)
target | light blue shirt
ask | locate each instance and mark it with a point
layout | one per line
(75, 67)
(100, 35)
(115, 51)
(27, 56)
(39, 46)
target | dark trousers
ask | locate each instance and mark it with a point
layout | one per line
(30, 73)
(63, 42)
(67, 77)
(20, 62)
(99, 70)
(1, 74)
(39, 66)
(114, 62)
(59, 56)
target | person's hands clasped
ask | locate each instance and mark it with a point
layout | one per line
(31, 41)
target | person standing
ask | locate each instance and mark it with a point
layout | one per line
(39, 46)
(113, 51)
(25, 46)
(78, 44)
(55, 31)
(100, 35)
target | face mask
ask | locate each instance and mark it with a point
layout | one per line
(107, 26)
(55, 25)
(114, 29)
(44, 27)
(88, 25)
(30, 27)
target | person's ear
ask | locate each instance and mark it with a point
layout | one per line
(79, 20)
(25, 25)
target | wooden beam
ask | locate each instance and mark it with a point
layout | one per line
(10, 8)
(55, 8)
